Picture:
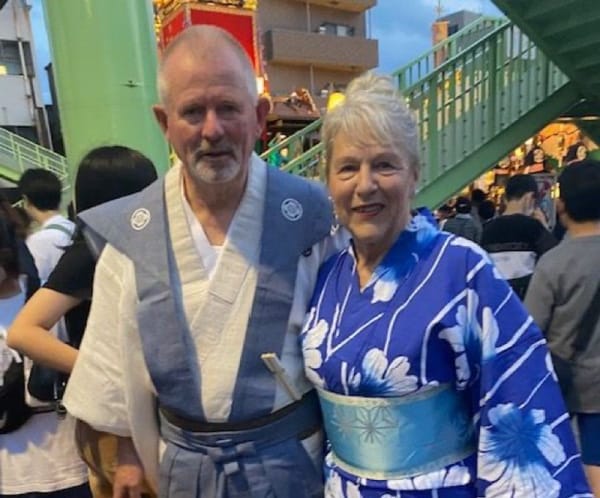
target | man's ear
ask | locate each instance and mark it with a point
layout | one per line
(263, 107)
(161, 117)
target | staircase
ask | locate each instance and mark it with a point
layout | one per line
(492, 88)
(476, 96)
(567, 31)
(480, 104)
(18, 154)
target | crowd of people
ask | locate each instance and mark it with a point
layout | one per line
(230, 330)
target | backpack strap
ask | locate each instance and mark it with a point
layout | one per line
(60, 228)
(587, 325)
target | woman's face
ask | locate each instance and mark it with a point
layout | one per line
(371, 186)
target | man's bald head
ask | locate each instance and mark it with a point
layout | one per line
(200, 42)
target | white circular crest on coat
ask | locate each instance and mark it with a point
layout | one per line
(140, 218)
(291, 209)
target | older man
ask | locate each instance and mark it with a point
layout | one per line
(191, 351)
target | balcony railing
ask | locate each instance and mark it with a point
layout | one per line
(349, 53)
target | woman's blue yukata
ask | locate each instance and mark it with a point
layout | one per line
(436, 317)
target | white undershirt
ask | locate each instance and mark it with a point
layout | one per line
(209, 253)
(40, 456)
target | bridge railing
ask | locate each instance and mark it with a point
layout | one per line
(475, 95)
(448, 48)
(18, 154)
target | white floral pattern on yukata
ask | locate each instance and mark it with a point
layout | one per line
(436, 311)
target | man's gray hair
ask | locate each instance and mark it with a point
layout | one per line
(373, 111)
(200, 40)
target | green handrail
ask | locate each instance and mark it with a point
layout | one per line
(419, 68)
(448, 48)
(475, 106)
(18, 154)
(307, 164)
(475, 97)
(290, 142)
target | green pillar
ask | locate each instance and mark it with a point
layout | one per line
(104, 60)
(594, 154)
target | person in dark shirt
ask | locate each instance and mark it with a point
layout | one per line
(463, 224)
(104, 174)
(516, 240)
(486, 211)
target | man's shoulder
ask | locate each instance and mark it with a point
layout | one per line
(121, 212)
(297, 182)
(516, 224)
(565, 252)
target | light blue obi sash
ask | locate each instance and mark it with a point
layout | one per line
(394, 438)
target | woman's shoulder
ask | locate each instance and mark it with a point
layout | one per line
(459, 252)
(74, 271)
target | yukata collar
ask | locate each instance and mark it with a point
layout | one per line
(406, 252)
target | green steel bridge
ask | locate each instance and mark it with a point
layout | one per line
(477, 95)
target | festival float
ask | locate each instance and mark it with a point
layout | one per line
(289, 113)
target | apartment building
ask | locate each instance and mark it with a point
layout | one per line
(21, 108)
(315, 43)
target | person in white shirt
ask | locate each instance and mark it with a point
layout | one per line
(41, 190)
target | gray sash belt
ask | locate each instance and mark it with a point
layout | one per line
(238, 462)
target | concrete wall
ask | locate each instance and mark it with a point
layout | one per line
(296, 57)
(20, 95)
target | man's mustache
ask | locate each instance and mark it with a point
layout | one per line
(207, 150)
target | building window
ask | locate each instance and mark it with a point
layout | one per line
(9, 57)
(330, 28)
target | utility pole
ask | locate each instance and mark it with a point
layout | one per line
(439, 9)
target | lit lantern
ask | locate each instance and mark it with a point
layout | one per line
(334, 99)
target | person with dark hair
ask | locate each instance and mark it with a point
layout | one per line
(111, 172)
(477, 197)
(9, 252)
(19, 219)
(487, 211)
(516, 240)
(14, 412)
(104, 174)
(576, 152)
(41, 191)
(564, 299)
(443, 214)
(462, 223)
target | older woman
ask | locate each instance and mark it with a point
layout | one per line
(433, 379)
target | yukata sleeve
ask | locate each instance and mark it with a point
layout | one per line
(96, 389)
(525, 446)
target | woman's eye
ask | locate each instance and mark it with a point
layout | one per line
(347, 170)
